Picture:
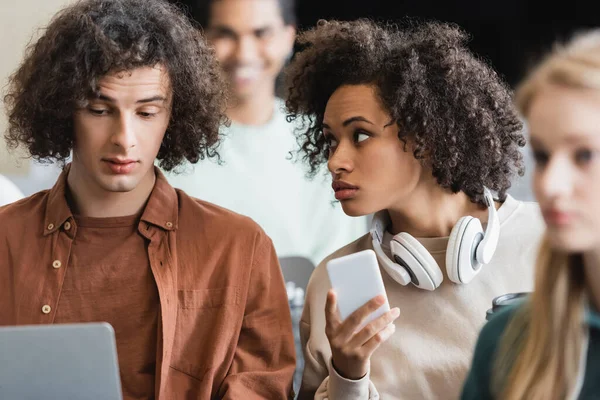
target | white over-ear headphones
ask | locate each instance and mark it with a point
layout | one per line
(469, 248)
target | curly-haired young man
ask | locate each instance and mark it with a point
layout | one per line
(416, 129)
(193, 291)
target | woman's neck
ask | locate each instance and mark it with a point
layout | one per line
(433, 212)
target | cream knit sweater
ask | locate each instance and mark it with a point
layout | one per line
(429, 354)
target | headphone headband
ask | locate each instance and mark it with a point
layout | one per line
(379, 224)
(487, 247)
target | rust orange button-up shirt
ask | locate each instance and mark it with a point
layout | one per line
(224, 329)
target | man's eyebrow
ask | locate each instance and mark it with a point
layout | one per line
(109, 99)
(104, 97)
(153, 98)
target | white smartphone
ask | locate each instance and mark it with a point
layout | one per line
(356, 279)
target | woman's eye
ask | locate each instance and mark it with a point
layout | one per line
(584, 156)
(330, 141)
(540, 157)
(330, 145)
(361, 137)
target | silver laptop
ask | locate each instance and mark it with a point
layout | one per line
(69, 361)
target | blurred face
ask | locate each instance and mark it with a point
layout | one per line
(118, 134)
(251, 42)
(565, 139)
(371, 169)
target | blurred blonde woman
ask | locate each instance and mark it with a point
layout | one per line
(548, 347)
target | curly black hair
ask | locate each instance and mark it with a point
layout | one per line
(455, 109)
(92, 38)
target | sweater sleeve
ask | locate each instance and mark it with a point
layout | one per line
(336, 387)
(320, 380)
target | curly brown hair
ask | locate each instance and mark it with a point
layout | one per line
(455, 109)
(92, 38)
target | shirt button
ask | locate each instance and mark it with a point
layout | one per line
(56, 264)
(50, 227)
(169, 224)
(46, 309)
(67, 226)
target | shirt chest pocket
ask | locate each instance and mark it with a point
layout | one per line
(208, 326)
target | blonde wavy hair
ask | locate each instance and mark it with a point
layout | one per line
(540, 352)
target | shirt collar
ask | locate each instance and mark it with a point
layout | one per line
(161, 209)
(57, 209)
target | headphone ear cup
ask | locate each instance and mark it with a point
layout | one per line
(461, 261)
(424, 270)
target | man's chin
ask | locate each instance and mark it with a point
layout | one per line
(243, 95)
(243, 92)
(121, 184)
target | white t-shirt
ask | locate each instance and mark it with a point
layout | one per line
(9, 192)
(429, 354)
(258, 179)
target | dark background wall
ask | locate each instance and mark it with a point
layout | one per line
(510, 34)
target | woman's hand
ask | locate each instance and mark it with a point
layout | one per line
(352, 349)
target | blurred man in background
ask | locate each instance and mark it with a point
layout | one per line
(253, 39)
